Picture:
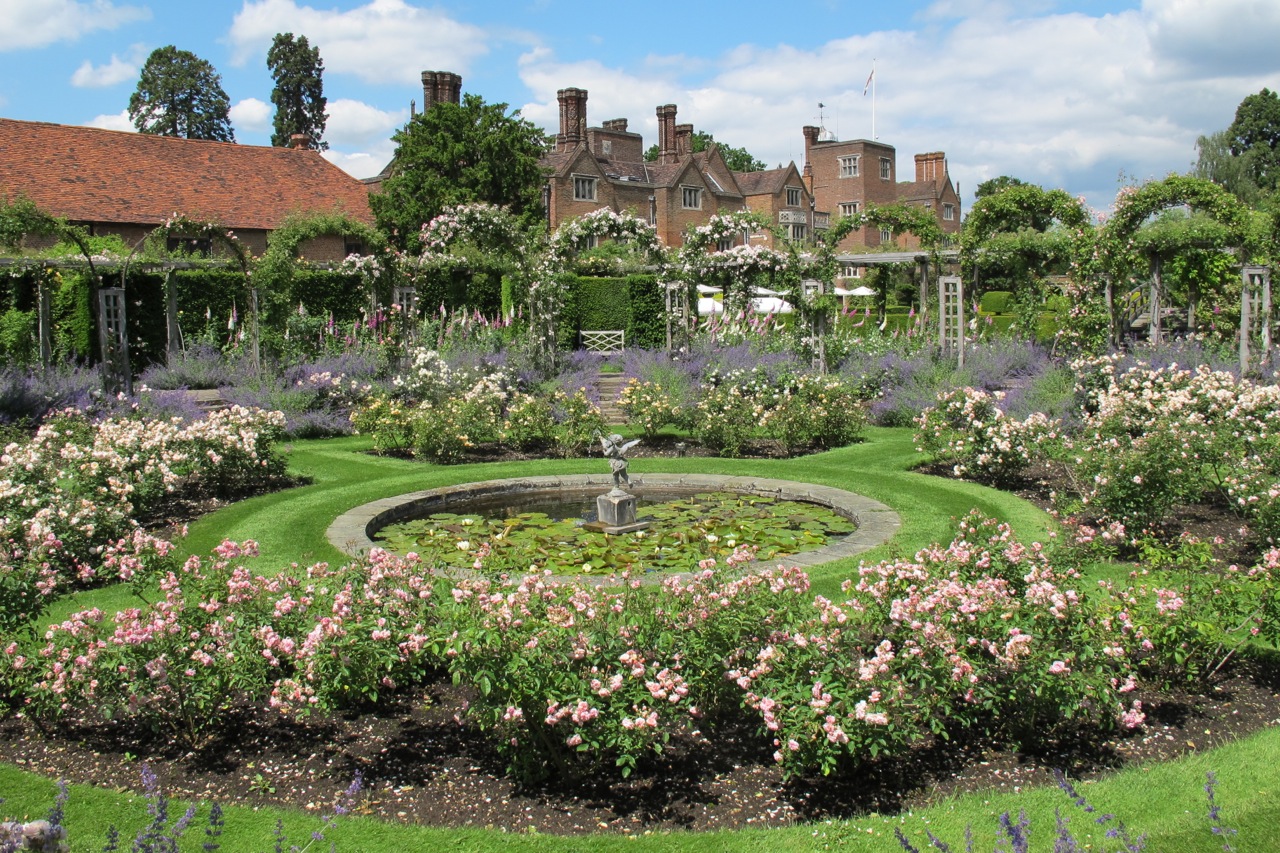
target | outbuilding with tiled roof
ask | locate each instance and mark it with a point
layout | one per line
(115, 182)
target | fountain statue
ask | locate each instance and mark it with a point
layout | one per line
(615, 450)
(616, 509)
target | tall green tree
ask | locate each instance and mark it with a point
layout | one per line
(180, 94)
(1216, 163)
(737, 159)
(995, 185)
(458, 154)
(1255, 134)
(298, 95)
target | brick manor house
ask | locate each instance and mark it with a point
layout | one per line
(604, 166)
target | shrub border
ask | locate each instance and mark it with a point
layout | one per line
(877, 523)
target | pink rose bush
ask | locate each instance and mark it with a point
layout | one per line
(69, 496)
(1144, 440)
(969, 431)
(983, 634)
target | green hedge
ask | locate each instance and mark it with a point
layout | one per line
(996, 302)
(632, 303)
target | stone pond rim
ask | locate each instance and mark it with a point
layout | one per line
(877, 523)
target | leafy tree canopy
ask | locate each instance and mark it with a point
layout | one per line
(1235, 174)
(298, 95)
(995, 185)
(180, 94)
(1255, 134)
(737, 159)
(459, 154)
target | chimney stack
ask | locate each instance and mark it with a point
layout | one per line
(811, 134)
(573, 118)
(616, 125)
(667, 133)
(684, 140)
(931, 167)
(299, 140)
(439, 87)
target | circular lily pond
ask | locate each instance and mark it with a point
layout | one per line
(533, 534)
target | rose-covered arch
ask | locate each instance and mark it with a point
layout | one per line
(1119, 241)
(737, 269)
(460, 243)
(605, 224)
(1019, 208)
(488, 228)
(544, 289)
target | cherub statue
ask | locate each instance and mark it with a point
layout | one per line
(616, 449)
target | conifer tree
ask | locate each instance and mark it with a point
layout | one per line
(298, 95)
(180, 94)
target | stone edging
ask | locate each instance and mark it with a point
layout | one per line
(877, 523)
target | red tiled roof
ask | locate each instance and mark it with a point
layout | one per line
(765, 182)
(85, 174)
(918, 191)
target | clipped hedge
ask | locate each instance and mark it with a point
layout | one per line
(632, 303)
(996, 302)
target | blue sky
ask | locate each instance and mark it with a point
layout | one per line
(1077, 94)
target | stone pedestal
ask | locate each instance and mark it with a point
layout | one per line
(616, 514)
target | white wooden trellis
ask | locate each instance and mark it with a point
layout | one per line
(951, 316)
(1255, 317)
(113, 341)
(405, 300)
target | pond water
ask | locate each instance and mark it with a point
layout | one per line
(543, 530)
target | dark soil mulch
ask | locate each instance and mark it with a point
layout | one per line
(420, 765)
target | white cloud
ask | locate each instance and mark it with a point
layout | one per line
(384, 41)
(251, 115)
(1236, 36)
(36, 23)
(116, 71)
(356, 124)
(116, 121)
(362, 164)
(1064, 100)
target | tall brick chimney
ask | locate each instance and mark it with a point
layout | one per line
(810, 139)
(667, 133)
(931, 167)
(439, 87)
(573, 118)
(684, 140)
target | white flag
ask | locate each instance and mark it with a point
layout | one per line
(870, 77)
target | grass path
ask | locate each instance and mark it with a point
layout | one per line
(1166, 801)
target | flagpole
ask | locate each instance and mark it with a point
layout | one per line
(871, 84)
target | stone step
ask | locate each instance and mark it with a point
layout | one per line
(608, 387)
(209, 399)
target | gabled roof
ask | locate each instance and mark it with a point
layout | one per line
(766, 182)
(919, 191)
(85, 174)
(711, 164)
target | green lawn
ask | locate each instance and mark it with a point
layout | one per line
(1166, 801)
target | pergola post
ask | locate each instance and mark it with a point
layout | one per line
(173, 332)
(255, 336)
(1153, 329)
(44, 323)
